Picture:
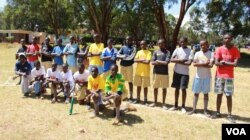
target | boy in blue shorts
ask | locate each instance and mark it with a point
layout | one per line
(203, 60)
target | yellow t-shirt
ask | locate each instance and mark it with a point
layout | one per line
(96, 83)
(96, 48)
(143, 69)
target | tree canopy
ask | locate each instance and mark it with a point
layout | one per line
(145, 19)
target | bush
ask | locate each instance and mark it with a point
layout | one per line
(10, 39)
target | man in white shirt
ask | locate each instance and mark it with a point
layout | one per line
(182, 57)
(81, 82)
(53, 76)
(38, 78)
(67, 81)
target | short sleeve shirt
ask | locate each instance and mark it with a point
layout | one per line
(162, 55)
(32, 49)
(115, 84)
(201, 57)
(108, 63)
(96, 48)
(26, 67)
(71, 59)
(97, 83)
(58, 50)
(53, 74)
(143, 69)
(81, 77)
(228, 55)
(35, 73)
(182, 53)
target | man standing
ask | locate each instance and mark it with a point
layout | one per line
(46, 57)
(226, 58)
(127, 55)
(70, 51)
(32, 52)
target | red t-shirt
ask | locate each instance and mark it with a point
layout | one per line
(32, 49)
(228, 55)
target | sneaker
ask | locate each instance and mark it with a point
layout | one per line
(53, 100)
(145, 103)
(26, 94)
(88, 107)
(216, 115)
(136, 102)
(41, 97)
(67, 101)
(191, 112)
(173, 108)
(94, 115)
(164, 107)
(183, 110)
(206, 113)
(231, 119)
(130, 100)
(152, 105)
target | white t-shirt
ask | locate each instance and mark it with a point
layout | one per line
(68, 76)
(201, 57)
(53, 75)
(35, 73)
(182, 53)
(81, 77)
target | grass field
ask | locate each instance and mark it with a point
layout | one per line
(29, 118)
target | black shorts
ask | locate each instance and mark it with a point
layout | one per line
(180, 81)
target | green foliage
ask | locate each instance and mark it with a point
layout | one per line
(10, 38)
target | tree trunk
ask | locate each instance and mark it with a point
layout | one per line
(160, 16)
(185, 4)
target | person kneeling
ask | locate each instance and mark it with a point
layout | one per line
(114, 88)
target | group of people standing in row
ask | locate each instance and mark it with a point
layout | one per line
(91, 73)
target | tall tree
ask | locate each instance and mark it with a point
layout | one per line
(99, 14)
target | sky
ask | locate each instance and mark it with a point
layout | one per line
(2, 4)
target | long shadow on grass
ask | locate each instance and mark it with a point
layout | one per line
(127, 118)
(244, 60)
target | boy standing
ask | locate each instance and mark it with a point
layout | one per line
(83, 52)
(46, 51)
(70, 51)
(226, 58)
(142, 73)
(95, 51)
(182, 57)
(108, 56)
(160, 61)
(32, 52)
(203, 60)
(57, 53)
(127, 54)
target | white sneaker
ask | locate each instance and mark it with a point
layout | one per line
(183, 110)
(67, 101)
(165, 107)
(173, 109)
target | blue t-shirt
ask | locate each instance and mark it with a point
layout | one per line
(108, 63)
(71, 59)
(26, 67)
(58, 50)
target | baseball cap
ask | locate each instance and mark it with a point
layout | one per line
(21, 54)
